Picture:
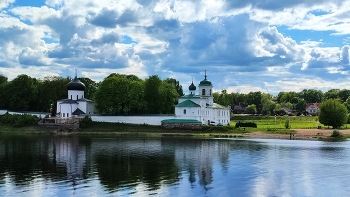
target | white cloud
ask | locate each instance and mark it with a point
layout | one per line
(5, 3)
(179, 39)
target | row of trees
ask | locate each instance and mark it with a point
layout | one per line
(25, 93)
(128, 94)
(266, 104)
(116, 94)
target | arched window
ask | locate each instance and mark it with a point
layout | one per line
(184, 111)
(71, 97)
(210, 92)
(77, 97)
(203, 92)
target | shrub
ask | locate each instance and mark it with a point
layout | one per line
(336, 134)
(19, 120)
(85, 122)
(287, 124)
(246, 124)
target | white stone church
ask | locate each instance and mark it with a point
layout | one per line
(75, 104)
(201, 107)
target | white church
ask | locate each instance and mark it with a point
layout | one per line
(201, 107)
(75, 104)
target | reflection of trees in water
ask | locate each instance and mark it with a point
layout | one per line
(25, 157)
(118, 170)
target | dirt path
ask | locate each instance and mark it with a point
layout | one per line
(300, 134)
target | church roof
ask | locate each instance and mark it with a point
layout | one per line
(69, 101)
(187, 103)
(76, 84)
(205, 82)
(181, 121)
(78, 112)
(192, 87)
(217, 106)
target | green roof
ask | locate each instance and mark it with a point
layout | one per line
(205, 82)
(181, 120)
(187, 103)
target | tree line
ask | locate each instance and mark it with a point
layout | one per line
(116, 94)
(267, 104)
(129, 94)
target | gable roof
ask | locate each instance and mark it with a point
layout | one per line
(187, 103)
(317, 105)
(78, 112)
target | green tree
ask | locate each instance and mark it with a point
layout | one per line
(268, 106)
(251, 109)
(331, 94)
(21, 93)
(332, 113)
(90, 87)
(176, 85)
(152, 94)
(312, 96)
(3, 79)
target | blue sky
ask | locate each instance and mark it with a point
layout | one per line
(269, 46)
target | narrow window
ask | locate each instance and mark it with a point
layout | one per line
(203, 92)
(63, 114)
(184, 111)
(77, 97)
(210, 92)
(67, 115)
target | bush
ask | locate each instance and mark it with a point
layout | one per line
(19, 120)
(85, 122)
(246, 124)
(336, 134)
(287, 124)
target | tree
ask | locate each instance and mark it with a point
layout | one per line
(3, 79)
(332, 113)
(251, 109)
(152, 94)
(312, 96)
(268, 106)
(21, 93)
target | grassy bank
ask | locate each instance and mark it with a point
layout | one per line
(267, 123)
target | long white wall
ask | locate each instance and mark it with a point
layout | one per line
(149, 120)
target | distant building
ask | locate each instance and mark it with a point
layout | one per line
(312, 108)
(75, 104)
(201, 107)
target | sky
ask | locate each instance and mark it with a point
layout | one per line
(246, 46)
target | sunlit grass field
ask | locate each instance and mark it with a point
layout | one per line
(268, 122)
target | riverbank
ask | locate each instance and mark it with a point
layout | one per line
(120, 129)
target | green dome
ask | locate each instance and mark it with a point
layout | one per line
(205, 82)
(192, 87)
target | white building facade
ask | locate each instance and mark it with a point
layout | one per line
(75, 104)
(201, 107)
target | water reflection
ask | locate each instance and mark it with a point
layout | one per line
(80, 166)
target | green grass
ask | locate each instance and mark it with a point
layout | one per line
(296, 122)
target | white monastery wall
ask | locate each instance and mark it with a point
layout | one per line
(149, 120)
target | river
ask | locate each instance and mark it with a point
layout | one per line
(45, 165)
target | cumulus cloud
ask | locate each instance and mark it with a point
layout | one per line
(234, 40)
(5, 3)
(345, 55)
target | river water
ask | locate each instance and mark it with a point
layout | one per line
(44, 165)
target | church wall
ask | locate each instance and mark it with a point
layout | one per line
(72, 94)
(149, 120)
(67, 109)
(82, 106)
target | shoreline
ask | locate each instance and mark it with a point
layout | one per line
(295, 134)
